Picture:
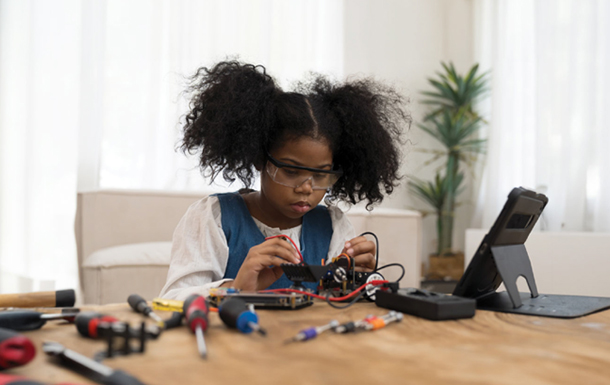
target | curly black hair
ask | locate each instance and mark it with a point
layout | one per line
(238, 113)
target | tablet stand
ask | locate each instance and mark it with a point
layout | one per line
(512, 261)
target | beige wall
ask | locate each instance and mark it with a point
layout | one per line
(403, 42)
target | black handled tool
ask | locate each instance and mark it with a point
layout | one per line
(140, 305)
(236, 314)
(60, 298)
(7, 379)
(22, 320)
(88, 367)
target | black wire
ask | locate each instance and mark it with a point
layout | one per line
(394, 264)
(376, 248)
(353, 301)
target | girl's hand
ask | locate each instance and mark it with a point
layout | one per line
(255, 272)
(363, 252)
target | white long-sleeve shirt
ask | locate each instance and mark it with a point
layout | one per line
(200, 251)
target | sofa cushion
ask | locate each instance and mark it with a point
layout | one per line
(112, 273)
(148, 253)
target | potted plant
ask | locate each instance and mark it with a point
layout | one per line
(454, 122)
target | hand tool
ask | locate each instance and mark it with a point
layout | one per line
(60, 298)
(30, 320)
(236, 314)
(95, 325)
(167, 304)
(88, 323)
(15, 349)
(50, 310)
(7, 379)
(351, 326)
(310, 333)
(174, 320)
(118, 335)
(139, 304)
(374, 323)
(87, 367)
(195, 311)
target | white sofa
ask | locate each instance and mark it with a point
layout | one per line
(123, 240)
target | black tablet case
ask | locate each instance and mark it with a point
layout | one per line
(502, 257)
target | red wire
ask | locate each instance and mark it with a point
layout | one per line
(376, 282)
(291, 241)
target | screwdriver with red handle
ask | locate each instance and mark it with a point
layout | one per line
(15, 349)
(88, 323)
(196, 309)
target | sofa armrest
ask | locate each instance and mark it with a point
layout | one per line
(107, 218)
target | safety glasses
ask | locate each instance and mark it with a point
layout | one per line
(294, 176)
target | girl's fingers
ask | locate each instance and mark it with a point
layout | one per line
(278, 249)
(359, 245)
(364, 262)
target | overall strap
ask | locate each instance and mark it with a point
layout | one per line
(242, 234)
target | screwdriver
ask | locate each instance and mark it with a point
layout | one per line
(351, 326)
(22, 320)
(310, 333)
(15, 349)
(236, 314)
(90, 368)
(374, 323)
(88, 323)
(139, 304)
(195, 309)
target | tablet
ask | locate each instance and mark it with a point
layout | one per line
(502, 258)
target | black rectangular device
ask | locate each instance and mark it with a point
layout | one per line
(502, 258)
(426, 304)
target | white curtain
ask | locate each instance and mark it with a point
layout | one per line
(90, 98)
(550, 93)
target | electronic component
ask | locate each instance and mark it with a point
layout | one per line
(271, 301)
(336, 279)
(426, 304)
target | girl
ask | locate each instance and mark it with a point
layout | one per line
(335, 140)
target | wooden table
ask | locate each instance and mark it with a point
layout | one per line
(491, 348)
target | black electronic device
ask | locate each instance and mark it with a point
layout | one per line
(426, 304)
(502, 258)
